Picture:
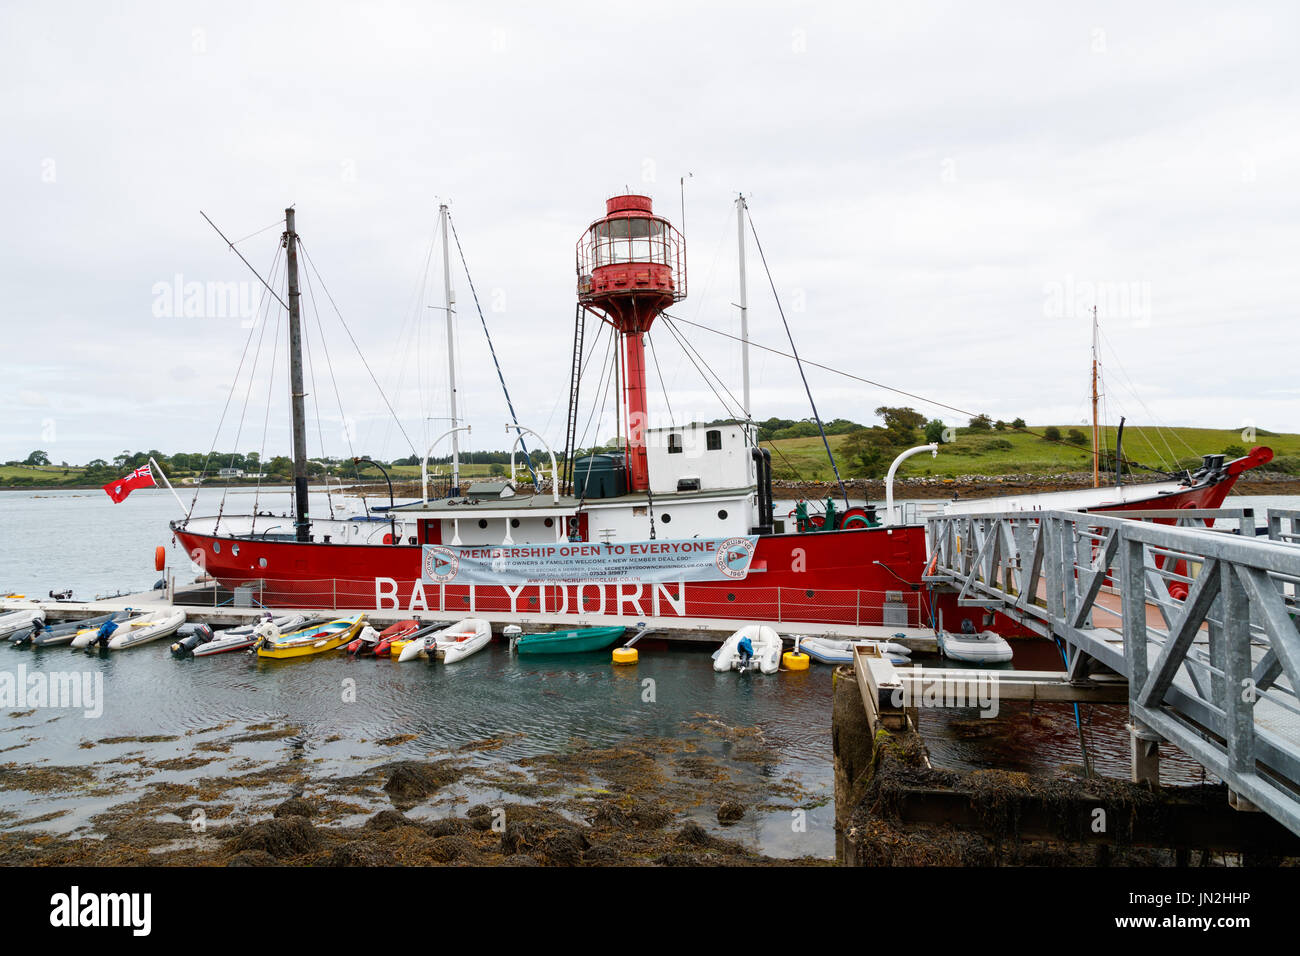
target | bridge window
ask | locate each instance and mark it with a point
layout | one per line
(674, 444)
(713, 439)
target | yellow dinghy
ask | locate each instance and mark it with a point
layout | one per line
(310, 640)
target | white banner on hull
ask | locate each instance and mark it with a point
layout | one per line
(691, 559)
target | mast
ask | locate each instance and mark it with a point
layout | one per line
(744, 304)
(302, 520)
(1096, 434)
(449, 301)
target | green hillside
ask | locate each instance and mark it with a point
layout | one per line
(1009, 453)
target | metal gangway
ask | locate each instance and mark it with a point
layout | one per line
(1199, 619)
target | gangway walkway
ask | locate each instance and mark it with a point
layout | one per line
(1199, 620)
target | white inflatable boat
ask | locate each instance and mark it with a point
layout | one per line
(980, 647)
(766, 656)
(87, 634)
(827, 650)
(242, 638)
(450, 644)
(19, 620)
(150, 627)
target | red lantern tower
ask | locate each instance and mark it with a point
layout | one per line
(632, 266)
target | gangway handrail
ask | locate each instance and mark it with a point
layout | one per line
(1207, 636)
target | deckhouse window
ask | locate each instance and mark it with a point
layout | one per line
(713, 439)
(674, 444)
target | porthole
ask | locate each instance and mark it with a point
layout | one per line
(665, 518)
(514, 522)
(216, 547)
(234, 549)
(549, 522)
(810, 593)
(723, 514)
(482, 522)
(731, 597)
(261, 562)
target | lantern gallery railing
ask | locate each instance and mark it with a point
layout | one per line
(1197, 619)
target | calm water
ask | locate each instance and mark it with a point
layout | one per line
(54, 540)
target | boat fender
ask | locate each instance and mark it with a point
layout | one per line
(159, 558)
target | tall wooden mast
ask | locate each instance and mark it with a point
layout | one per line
(302, 520)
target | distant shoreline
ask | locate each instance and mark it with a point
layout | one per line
(968, 486)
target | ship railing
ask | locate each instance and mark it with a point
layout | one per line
(1197, 619)
(777, 605)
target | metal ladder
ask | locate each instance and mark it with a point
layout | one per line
(575, 378)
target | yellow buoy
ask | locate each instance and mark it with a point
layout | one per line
(395, 649)
(625, 655)
(795, 660)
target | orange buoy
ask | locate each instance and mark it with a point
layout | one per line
(159, 558)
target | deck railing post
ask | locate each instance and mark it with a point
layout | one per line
(1239, 696)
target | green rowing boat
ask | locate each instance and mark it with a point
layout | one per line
(573, 641)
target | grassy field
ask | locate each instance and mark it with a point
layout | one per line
(40, 474)
(983, 453)
(971, 454)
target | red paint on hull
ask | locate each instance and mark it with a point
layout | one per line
(835, 577)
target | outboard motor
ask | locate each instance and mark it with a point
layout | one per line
(191, 636)
(745, 648)
(103, 636)
(23, 638)
(265, 632)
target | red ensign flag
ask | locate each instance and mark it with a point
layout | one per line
(142, 477)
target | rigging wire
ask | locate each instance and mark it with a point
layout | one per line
(278, 222)
(689, 349)
(798, 364)
(606, 379)
(243, 412)
(407, 345)
(352, 338)
(672, 420)
(266, 419)
(889, 388)
(338, 395)
(492, 350)
(315, 401)
(233, 383)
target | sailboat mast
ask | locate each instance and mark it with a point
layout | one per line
(302, 521)
(1096, 434)
(744, 304)
(449, 302)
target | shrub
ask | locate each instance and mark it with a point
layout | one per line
(1051, 433)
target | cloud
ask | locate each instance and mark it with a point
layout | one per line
(918, 176)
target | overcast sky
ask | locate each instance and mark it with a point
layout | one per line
(943, 191)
